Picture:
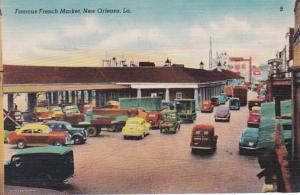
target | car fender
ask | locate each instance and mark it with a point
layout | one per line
(76, 134)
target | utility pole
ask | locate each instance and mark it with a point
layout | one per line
(210, 54)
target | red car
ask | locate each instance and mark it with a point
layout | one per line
(154, 118)
(37, 135)
(203, 137)
(207, 106)
(253, 118)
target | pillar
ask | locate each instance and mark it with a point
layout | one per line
(167, 97)
(10, 101)
(139, 93)
(55, 98)
(73, 94)
(196, 97)
(76, 95)
(31, 101)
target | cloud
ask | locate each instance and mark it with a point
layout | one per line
(89, 26)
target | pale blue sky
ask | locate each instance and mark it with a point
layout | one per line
(152, 31)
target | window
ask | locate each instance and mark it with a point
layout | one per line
(178, 95)
(153, 94)
(37, 131)
(27, 131)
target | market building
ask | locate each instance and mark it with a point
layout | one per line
(100, 84)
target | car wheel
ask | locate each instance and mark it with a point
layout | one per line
(78, 140)
(194, 150)
(91, 131)
(161, 130)
(142, 136)
(21, 144)
(57, 143)
(216, 120)
(125, 137)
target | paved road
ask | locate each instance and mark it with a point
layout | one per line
(163, 163)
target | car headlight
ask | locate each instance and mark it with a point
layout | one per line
(251, 144)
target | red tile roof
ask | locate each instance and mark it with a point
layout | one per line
(15, 74)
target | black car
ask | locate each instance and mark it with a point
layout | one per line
(43, 166)
(78, 135)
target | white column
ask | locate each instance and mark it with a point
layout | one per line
(139, 93)
(196, 97)
(167, 96)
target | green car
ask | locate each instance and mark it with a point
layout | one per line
(170, 122)
(249, 139)
(223, 98)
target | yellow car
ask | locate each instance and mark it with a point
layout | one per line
(56, 112)
(136, 127)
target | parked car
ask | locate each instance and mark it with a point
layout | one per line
(253, 118)
(78, 135)
(37, 135)
(136, 127)
(207, 106)
(222, 114)
(223, 98)
(234, 103)
(215, 100)
(154, 118)
(56, 112)
(50, 166)
(170, 122)
(248, 140)
(73, 115)
(167, 105)
(203, 137)
(41, 113)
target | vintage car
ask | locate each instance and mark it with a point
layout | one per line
(170, 122)
(223, 98)
(248, 140)
(256, 102)
(42, 166)
(56, 112)
(215, 100)
(154, 118)
(203, 137)
(234, 103)
(78, 135)
(253, 118)
(136, 127)
(37, 135)
(222, 114)
(207, 106)
(41, 113)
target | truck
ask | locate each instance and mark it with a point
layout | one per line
(105, 118)
(186, 110)
(241, 93)
(150, 105)
(228, 91)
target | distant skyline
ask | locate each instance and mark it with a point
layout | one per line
(153, 31)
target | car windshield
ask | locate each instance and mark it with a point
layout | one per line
(234, 101)
(214, 99)
(56, 109)
(68, 125)
(41, 109)
(132, 123)
(169, 117)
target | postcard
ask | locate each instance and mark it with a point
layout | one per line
(149, 96)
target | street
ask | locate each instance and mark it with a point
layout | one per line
(162, 163)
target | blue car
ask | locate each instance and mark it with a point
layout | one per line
(234, 103)
(249, 139)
